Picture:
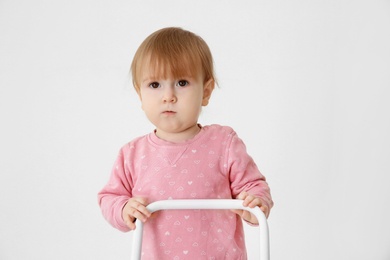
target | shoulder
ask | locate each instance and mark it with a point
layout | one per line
(221, 129)
(135, 144)
(219, 133)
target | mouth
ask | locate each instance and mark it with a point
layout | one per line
(169, 112)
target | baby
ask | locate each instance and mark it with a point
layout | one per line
(173, 75)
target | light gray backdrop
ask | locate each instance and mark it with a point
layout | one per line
(304, 83)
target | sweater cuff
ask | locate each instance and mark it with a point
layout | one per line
(121, 225)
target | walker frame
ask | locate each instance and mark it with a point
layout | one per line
(203, 204)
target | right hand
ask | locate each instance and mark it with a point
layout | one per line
(135, 208)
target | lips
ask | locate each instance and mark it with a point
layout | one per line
(169, 112)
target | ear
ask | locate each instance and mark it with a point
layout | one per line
(207, 90)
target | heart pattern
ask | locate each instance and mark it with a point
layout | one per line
(197, 169)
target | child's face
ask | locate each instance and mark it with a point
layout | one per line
(173, 105)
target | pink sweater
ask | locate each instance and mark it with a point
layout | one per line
(213, 164)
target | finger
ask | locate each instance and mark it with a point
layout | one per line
(238, 211)
(247, 216)
(138, 207)
(242, 195)
(141, 200)
(248, 202)
(256, 202)
(142, 209)
(129, 222)
(265, 210)
(140, 214)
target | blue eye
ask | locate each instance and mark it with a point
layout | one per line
(182, 83)
(154, 85)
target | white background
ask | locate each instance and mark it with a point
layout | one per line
(304, 83)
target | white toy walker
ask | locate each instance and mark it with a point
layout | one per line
(203, 204)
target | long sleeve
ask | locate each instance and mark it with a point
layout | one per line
(116, 193)
(244, 174)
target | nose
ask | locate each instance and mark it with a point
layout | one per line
(169, 95)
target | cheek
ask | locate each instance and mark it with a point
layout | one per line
(198, 96)
(195, 105)
(146, 105)
(147, 100)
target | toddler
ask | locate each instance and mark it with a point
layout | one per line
(173, 75)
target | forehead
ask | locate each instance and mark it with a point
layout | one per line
(159, 67)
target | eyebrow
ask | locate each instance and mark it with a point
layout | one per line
(152, 79)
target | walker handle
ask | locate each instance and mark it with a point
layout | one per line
(203, 204)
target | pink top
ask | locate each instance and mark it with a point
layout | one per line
(213, 164)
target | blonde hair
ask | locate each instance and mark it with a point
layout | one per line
(173, 52)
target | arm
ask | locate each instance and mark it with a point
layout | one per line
(118, 206)
(247, 183)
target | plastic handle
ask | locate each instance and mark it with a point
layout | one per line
(203, 204)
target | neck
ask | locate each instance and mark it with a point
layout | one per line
(179, 137)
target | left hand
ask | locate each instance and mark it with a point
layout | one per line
(251, 202)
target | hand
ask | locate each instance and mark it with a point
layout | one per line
(135, 208)
(251, 202)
